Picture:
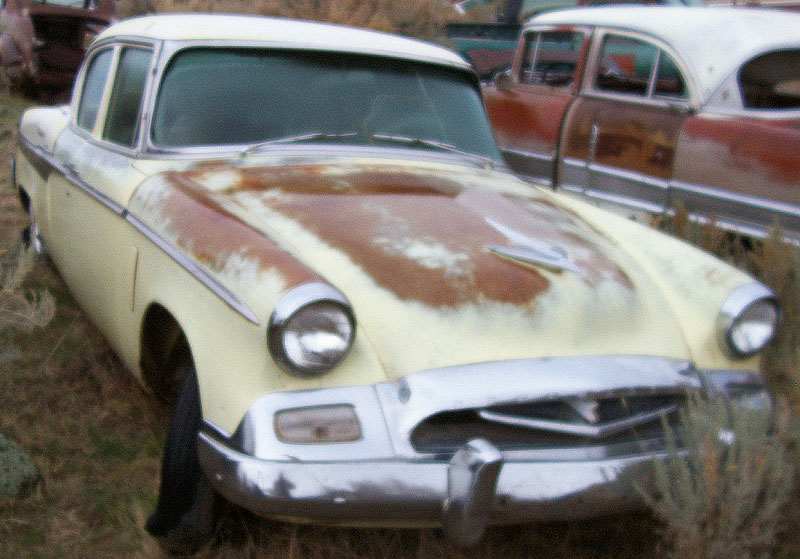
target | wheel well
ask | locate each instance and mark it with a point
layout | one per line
(164, 353)
(24, 200)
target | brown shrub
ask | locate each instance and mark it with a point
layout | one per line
(724, 500)
(423, 19)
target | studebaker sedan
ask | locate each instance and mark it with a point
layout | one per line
(304, 235)
(660, 107)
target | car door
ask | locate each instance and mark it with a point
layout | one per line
(622, 132)
(88, 237)
(527, 106)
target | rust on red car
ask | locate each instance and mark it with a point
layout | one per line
(659, 115)
(42, 43)
(754, 158)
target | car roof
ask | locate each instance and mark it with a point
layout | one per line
(712, 41)
(280, 33)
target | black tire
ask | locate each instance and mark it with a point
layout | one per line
(185, 514)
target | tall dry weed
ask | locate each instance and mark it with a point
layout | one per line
(423, 19)
(21, 310)
(723, 497)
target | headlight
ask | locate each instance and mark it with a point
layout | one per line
(748, 320)
(311, 329)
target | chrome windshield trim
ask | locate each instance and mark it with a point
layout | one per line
(195, 269)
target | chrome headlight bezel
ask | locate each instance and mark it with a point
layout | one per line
(743, 306)
(291, 306)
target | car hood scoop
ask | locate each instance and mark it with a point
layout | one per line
(471, 264)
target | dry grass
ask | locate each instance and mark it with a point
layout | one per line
(423, 19)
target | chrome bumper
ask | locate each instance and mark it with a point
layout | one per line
(474, 489)
(384, 479)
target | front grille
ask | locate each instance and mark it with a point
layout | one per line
(558, 424)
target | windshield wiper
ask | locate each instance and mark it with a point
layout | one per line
(296, 138)
(433, 144)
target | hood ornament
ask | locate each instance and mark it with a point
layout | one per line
(531, 251)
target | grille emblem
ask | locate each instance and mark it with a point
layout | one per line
(588, 409)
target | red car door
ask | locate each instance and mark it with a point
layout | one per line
(621, 134)
(527, 106)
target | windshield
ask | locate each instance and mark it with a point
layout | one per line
(245, 97)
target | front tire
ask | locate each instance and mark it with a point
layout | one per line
(184, 517)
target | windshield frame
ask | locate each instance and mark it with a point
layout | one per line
(171, 49)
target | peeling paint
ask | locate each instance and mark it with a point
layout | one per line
(413, 249)
(418, 232)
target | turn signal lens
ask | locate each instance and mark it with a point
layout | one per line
(321, 424)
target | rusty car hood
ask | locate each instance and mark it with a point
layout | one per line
(444, 265)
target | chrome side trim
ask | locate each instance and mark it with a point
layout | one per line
(70, 175)
(191, 266)
(616, 172)
(744, 199)
(621, 200)
(179, 256)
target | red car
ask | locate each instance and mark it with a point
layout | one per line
(42, 42)
(659, 107)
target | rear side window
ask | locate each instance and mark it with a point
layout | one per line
(551, 58)
(771, 81)
(126, 98)
(633, 67)
(93, 85)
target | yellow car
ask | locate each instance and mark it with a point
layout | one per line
(305, 237)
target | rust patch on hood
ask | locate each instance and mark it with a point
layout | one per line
(203, 228)
(421, 234)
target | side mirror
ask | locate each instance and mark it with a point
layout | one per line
(503, 80)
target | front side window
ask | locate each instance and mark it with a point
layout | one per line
(551, 58)
(93, 86)
(126, 97)
(216, 96)
(634, 67)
